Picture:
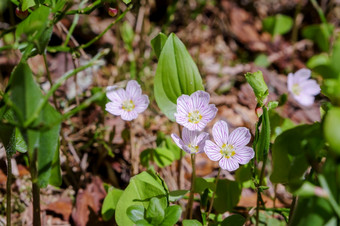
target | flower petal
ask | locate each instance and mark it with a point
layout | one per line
(141, 103)
(209, 112)
(212, 150)
(244, 155)
(304, 99)
(189, 136)
(220, 133)
(133, 89)
(229, 164)
(129, 115)
(118, 95)
(290, 82)
(310, 87)
(199, 99)
(240, 137)
(114, 108)
(183, 105)
(302, 75)
(177, 140)
(200, 141)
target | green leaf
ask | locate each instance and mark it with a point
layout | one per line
(127, 34)
(227, 195)
(170, 144)
(191, 223)
(26, 95)
(234, 220)
(126, 1)
(155, 212)
(278, 124)
(176, 74)
(163, 157)
(330, 88)
(55, 178)
(145, 157)
(201, 184)
(336, 56)
(135, 213)
(143, 222)
(320, 34)
(158, 42)
(177, 195)
(331, 129)
(27, 4)
(311, 211)
(322, 65)
(244, 176)
(264, 137)
(172, 215)
(278, 24)
(110, 203)
(259, 86)
(292, 151)
(140, 190)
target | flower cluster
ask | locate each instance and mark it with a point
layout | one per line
(126, 103)
(302, 88)
(194, 112)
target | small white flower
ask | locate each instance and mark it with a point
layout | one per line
(194, 111)
(231, 150)
(302, 88)
(126, 103)
(193, 141)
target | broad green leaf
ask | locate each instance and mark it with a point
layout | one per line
(278, 24)
(234, 220)
(320, 34)
(191, 223)
(227, 195)
(278, 124)
(263, 143)
(163, 157)
(135, 213)
(140, 190)
(26, 95)
(158, 42)
(311, 211)
(259, 86)
(36, 21)
(176, 74)
(143, 222)
(331, 129)
(145, 157)
(330, 88)
(176, 195)
(172, 215)
(27, 4)
(55, 178)
(322, 65)
(155, 212)
(170, 144)
(244, 176)
(110, 203)
(336, 56)
(201, 184)
(291, 153)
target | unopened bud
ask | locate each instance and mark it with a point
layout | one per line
(258, 111)
(21, 14)
(112, 11)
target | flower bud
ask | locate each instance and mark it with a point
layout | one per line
(112, 11)
(21, 14)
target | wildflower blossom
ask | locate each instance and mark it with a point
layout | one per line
(194, 112)
(302, 88)
(193, 141)
(229, 150)
(126, 103)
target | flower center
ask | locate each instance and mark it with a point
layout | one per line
(193, 148)
(128, 105)
(194, 117)
(227, 150)
(296, 89)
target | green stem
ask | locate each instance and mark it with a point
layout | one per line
(106, 29)
(36, 204)
(259, 198)
(179, 166)
(213, 195)
(86, 10)
(9, 191)
(320, 12)
(192, 189)
(292, 207)
(332, 200)
(58, 83)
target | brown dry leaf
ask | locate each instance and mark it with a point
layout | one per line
(249, 199)
(62, 207)
(23, 170)
(3, 178)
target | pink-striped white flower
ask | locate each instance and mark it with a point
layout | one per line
(194, 111)
(192, 142)
(126, 103)
(302, 88)
(229, 150)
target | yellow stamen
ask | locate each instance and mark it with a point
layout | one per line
(193, 149)
(194, 117)
(227, 150)
(128, 105)
(296, 89)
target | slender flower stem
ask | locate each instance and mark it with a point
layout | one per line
(292, 207)
(36, 204)
(179, 166)
(213, 195)
(133, 154)
(9, 191)
(259, 198)
(192, 189)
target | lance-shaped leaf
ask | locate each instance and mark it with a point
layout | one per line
(26, 95)
(176, 74)
(158, 43)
